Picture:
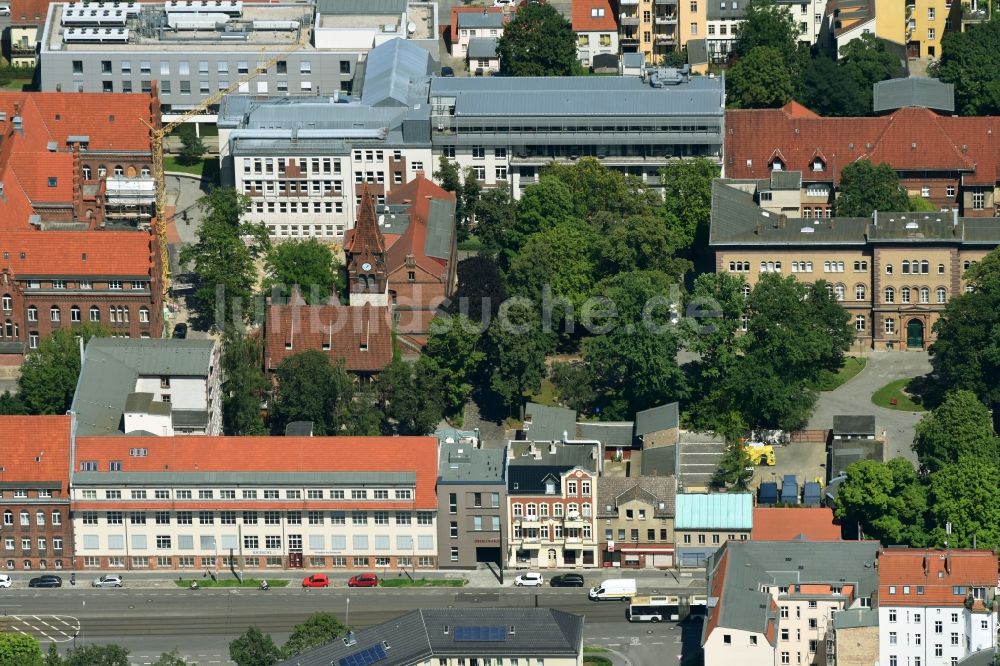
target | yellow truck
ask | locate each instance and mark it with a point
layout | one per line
(760, 453)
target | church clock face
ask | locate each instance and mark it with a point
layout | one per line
(366, 266)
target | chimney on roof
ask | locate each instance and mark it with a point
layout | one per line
(927, 565)
(758, 229)
(947, 564)
(18, 124)
(17, 108)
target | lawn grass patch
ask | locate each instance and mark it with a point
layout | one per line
(897, 391)
(229, 582)
(422, 582)
(546, 394)
(596, 660)
(206, 169)
(828, 381)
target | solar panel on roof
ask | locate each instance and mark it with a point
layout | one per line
(479, 634)
(370, 655)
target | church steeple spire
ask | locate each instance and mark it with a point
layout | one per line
(365, 251)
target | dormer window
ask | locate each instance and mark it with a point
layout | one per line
(777, 165)
(550, 487)
(818, 164)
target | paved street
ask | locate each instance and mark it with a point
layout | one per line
(854, 397)
(201, 623)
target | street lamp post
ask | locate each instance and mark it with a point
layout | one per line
(347, 620)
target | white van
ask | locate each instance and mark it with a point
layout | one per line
(613, 588)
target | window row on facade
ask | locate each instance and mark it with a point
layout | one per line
(294, 542)
(259, 517)
(27, 543)
(117, 170)
(117, 314)
(7, 301)
(249, 561)
(231, 494)
(24, 517)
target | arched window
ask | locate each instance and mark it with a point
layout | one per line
(904, 295)
(809, 266)
(839, 291)
(32, 313)
(586, 510)
(54, 313)
(859, 323)
(86, 172)
(8, 517)
(925, 267)
(829, 289)
(925, 295)
(74, 313)
(40, 518)
(532, 510)
(906, 267)
(746, 291)
(942, 294)
(119, 171)
(557, 510)
(860, 292)
(517, 509)
(888, 269)
(95, 313)
(25, 520)
(890, 295)
(102, 171)
(940, 269)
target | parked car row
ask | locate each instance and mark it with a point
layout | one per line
(51, 580)
(322, 580)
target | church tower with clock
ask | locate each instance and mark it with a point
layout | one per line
(365, 253)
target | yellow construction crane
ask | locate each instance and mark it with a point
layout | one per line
(158, 134)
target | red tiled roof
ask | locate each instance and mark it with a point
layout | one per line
(787, 524)
(344, 328)
(35, 449)
(908, 139)
(584, 19)
(419, 192)
(116, 253)
(272, 454)
(937, 571)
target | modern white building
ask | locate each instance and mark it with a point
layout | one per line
(152, 386)
(303, 161)
(213, 503)
(935, 606)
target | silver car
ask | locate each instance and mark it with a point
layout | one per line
(110, 580)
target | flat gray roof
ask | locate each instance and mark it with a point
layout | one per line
(482, 47)
(480, 20)
(913, 91)
(466, 464)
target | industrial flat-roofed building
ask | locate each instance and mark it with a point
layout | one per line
(506, 128)
(191, 50)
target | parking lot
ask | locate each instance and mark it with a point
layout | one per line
(805, 460)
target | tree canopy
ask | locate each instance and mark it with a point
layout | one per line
(244, 384)
(966, 353)
(886, 500)
(538, 41)
(453, 351)
(959, 427)
(310, 389)
(96, 655)
(254, 648)
(222, 262)
(759, 80)
(411, 397)
(318, 629)
(20, 650)
(865, 188)
(49, 375)
(481, 288)
(767, 25)
(970, 59)
(306, 263)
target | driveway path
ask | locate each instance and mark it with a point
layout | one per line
(854, 397)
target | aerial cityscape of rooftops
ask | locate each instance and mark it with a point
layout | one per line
(500, 333)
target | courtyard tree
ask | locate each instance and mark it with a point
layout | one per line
(538, 41)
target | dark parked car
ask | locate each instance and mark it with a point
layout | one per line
(45, 581)
(447, 71)
(181, 331)
(567, 580)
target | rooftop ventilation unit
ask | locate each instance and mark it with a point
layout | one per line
(275, 25)
(229, 7)
(100, 35)
(93, 17)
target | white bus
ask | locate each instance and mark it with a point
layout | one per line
(654, 609)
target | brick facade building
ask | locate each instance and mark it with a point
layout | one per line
(34, 493)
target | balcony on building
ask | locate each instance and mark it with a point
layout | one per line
(976, 11)
(628, 2)
(628, 19)
(666, 18)
(574, 520)
(665, 3)
(668, 38)
(528, 521)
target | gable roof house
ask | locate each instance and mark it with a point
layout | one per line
(596, 30)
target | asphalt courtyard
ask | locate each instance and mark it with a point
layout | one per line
(854, 398)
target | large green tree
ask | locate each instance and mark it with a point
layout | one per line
(735, 468)
(192, 147)
(867, 62)
(222, 262)
(966, 353)
(411, 397)
(318, 629)
(20, 650)
(767, 24)
(640, 242)
(593, 187)
(496, 216)
(970, 59)
(97, 655)
(449, 176)
(49, 375)
(481, 288)
(885, 500)
(254, 648)
(634, 363)
(687, 200)
(311, 389)
(760, 80)
(453, 349)
(516, 347)
(965, 494)
(865, 188)
(560, 259)
(538, 41)
(960, 426)
(308, 264)
(244, 383)
(830, 90)
(172, 658)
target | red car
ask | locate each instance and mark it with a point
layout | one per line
(363, 580)
(316, 580)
